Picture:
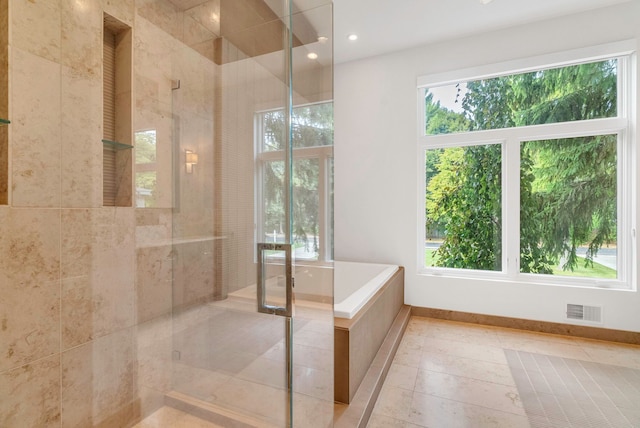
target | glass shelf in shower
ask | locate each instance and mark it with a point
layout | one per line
(4, 122)
(117, 146)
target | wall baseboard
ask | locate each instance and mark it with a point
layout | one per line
(586, 332)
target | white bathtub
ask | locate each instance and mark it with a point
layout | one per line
(352, 286)
(355, 284)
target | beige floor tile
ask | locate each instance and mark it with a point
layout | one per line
(471, 391)
(467, 367)
(618, 355)
(400, 376)
(379, 421)
(463, 378)
(492, 354)
(394, 403)
(431, 411)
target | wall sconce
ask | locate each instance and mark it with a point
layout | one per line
(191, 159)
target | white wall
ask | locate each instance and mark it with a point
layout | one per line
(376, 207)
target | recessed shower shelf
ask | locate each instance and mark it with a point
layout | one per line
(117, 146)
(4, 122)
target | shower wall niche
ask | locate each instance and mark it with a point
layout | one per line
(117, 130)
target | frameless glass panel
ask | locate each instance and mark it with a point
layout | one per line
(568, 207)
(577, 92)
(463, 207)
(312, 136)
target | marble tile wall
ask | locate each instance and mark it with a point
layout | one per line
(85, 313)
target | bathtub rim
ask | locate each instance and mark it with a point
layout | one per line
(348, 308)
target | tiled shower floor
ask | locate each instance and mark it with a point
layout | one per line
(448, 374)
(228, 356)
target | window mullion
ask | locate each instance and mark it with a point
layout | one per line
(511, 207)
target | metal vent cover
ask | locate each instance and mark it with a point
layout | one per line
(584, 313)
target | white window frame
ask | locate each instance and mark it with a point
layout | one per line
(324, 154)
(622, 125)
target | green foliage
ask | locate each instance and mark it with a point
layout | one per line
(311, 126)
(145, 152)
(568, 186)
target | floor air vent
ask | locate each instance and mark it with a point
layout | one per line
(584, 313)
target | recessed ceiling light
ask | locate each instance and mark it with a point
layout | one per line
(485, 1)
(322, 39)
(352, 37)
(312, 55)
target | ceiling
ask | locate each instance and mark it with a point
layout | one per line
(385, 26)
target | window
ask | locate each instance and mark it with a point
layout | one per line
(146, 169)
(527, 175)
(312, 179)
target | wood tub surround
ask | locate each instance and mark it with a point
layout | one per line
(357, 340)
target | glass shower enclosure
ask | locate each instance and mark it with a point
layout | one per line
(235, 164)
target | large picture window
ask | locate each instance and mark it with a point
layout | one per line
(312, 180)
(526, 174)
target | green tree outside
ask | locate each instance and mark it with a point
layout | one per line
(568, 186)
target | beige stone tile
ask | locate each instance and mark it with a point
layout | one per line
(431, 411)
(193, 273)
(315, 383)
(154, 351)
(266, 372)
(45, 16)
(401, 376)
(314, 339)
(412, 342)
(460, 332)
(206, 14)
(394, 403)
(510, 338)
(615, 354)
(492, 354)
(122, 10)
(153, 227)
(408, 355)
(379, 421)
(163, 14)
(307, 356)
(98, 272)
(206, 385)
(481, 393)
(81, 159)
(154, 276)
(97, 380)
(35, 128)
(467, 367)
(558, 348)
(312, 412)
(260, 401)
(29, 279)
(153, 66)
(81, 41)
(30, 395)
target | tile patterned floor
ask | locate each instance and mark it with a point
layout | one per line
(229, 356)
(448, 374)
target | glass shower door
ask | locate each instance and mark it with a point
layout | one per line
(240, 352)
